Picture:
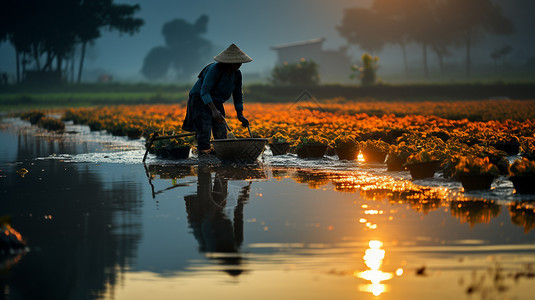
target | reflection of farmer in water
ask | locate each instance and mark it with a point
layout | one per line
(212, 228)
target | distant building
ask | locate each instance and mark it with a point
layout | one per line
(334, 65)
(104, 78)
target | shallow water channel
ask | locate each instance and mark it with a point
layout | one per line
(99, 224)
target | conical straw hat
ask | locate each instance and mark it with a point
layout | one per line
(231, 55)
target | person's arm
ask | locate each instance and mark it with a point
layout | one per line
(237, 96)
(207, 86)
(208, 83)
(216, 114)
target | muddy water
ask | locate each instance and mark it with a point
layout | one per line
(101, 225)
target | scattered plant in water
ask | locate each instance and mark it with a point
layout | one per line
(473, 165)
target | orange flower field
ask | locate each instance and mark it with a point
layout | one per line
(492, 121)
(332, 118)
(410, 132)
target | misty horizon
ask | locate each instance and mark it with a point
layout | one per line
(257, 26)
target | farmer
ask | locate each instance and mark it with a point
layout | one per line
(217, 82)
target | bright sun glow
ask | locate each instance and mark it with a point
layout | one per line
(373, 258)
(374, 244)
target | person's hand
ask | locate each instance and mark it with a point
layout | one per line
(243, 120)
(218, 116)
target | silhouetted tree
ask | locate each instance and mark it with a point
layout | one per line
(7, 22)
(500, 54)
(157, 62)
(44, 31)
(6, 18)
(184, 49)
(423, 25)
(103, 14)
(410, 20)
(397, 22)
(365, 28)
(389, 21)
(471, 19)
(431, 23)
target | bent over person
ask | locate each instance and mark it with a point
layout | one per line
(217, 82)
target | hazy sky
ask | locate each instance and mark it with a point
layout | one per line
(254, 25)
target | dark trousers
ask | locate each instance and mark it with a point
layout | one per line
(206, 125)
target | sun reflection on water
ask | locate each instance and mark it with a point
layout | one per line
(373, 258)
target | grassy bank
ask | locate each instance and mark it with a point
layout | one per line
(24, 97)
(406, 92)
(90, 99)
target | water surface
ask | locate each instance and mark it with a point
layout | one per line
(99, 224)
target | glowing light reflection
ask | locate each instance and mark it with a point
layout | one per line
(370, 225)
(373, 212)
(373, 258)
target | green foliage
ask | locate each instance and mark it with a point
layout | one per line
(165, 148)
(303, 73)
(16, 98)
(278, 138)
(367, 73)
(401, 151)
(473, 165)
(522, 167)
(51, 124)
(374, 145)
(424, 155)
(182, 141)
(345, 141)
(312, 140)
(33, 116)
(39, 118)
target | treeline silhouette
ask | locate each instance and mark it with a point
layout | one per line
(437, 26)
(183, 52)
(44, 32)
